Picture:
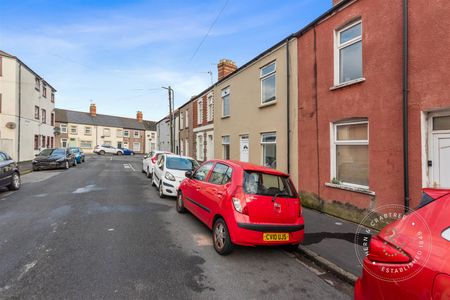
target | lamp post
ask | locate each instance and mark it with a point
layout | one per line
(171, 107)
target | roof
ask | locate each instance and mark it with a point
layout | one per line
(3, 53)
(252, 167)
(70, 116)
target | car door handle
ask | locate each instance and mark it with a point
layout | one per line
(220, 194)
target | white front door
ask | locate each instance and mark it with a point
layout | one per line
(441, 160)
(244, 148)
(210, 147)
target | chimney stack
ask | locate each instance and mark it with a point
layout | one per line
(225, 67)
(336, 2)
(93, 110)
(139, 116)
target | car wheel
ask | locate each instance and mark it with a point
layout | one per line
(83, 160)
(74, 163)
(35, 169)
(66, 165)
(15, 182)
(153, 182)
(290, 248)
(102, 152)
(221, 237)
(149, 175)
(161, 191)
(119, 153)
(180, 204)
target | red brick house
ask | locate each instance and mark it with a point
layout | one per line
(361, 64)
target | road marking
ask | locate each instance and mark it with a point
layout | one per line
(87, 189)
(27, 268)
(338, 223)
(111, 158)
(111, 229)
(126, 166)
(131, 166)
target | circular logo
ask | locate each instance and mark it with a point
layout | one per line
(400, 250)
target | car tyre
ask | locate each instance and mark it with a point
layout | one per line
(66, 165)
(15, 182)
(180, 203)
(221, 237)
(153, 183)
(83, 159)
(161, 190)
(149, 175)
(74, 163)
(102, 152)
(34, 169)
(119, 153)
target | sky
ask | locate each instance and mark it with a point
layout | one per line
(119, 53)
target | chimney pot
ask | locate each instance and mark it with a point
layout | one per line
(225, 67)
(336, 2)
(139, 116)
(93, 109)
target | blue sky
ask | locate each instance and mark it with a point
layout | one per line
(119, 53)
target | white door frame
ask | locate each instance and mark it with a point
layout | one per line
(433, 152)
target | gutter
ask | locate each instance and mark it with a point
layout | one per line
(405, 106)
(288, 108)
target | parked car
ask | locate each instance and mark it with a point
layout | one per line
(170, 171)
(243, 204)
(401, 264)
(127, 151)
(54, 158)
(148, 163)
(79, 154)
(10, 175)
(107, 149)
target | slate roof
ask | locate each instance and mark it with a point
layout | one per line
(77, 117)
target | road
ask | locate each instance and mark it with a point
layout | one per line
(100, 231)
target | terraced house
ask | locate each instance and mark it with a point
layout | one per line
(86, 130)
(27, 104)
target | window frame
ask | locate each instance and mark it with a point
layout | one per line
(210, 108)
(226, 93)
(262, 143)
(200, 111)
(86, 131)
(44, 90)
(44, 116)
(76, 129)
(137, 134)
(37, 112)
(335, 143)
(86, 142)
(223, 175)
(106, 130)
(266, 76)
(338, 47)
(226, 144)
(61, 126)
(126, 133)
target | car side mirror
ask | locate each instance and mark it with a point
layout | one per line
(188, 174)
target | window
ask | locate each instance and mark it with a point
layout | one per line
(267, 77)
(48, 142)
(126, 133)
(221, 174)
(64, 143)
(52, 119)
(107, 143)
(187, 118)
(348, 55)
(200, 112)
(42, 141)
(44, 116)
(106, 132)
(86, 144)
(36, 142)
(200, 147)
(37, 84)
(257, 183)
(137, 134)
(87, 130)
(119, 133)
(203, 171)
(226, 102)
(181, 164)
(186, 153)
(269, 149)
(181, 121)
(44, 90)
(73, 130)
(136, 146)
(0, 102)
(351, 154)
(52, 142)
(441, 123)
(53, 97)
(1, 67)
(63, 128)
(36, 112)
(210, 109)
(226, 147)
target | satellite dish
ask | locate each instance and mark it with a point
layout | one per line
(11, 125)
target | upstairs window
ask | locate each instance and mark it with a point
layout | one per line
(37, 84)
(52, 119)
(200, 112)
(87, 130)
(119, 133)
(44, 116)
(106, 132)
(267, 77)
(63, 128)
(36, 112)
(137, 134)
(210, 109)
(53, 97)
(73, 130)
(348, 53)
(187, 118)
(181, 121)
(226, 102)
(44, 91)
(126, 133)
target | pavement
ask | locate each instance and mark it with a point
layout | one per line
(100, 231)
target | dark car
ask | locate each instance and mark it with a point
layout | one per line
(54, 158)
(127, 151)
(9, 175)
(79, 154)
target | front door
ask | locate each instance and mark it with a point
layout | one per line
(441, 160)
(244, 148)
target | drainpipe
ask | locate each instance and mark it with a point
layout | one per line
(288, 100)
(405, 105)
(20, 111)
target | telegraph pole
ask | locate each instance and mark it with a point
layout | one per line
(171, 104)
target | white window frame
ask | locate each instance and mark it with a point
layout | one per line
(187, 118)
(181, 121)
(63, 128)
(106, 132)
(337, 49)
(224, 144)
(226, 92)
(119, 133)
(335, 142)
(200, 147)
(126, 133)
(64, 141)
(210, 108)
(266, 76)
(200, 111)
(81, 144)
(86, 131)
(136, 134)
(74, 127)
(267, 143)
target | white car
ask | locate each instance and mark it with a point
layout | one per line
(149, 161)
(169, 172)
(107, 149)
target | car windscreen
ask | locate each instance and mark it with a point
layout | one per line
(48, 152)
(74, 150)
(179, 163)
(259, 183)
(429, 197)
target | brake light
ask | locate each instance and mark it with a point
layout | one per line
(300, 207)
(239, 203)
(385, 252)
(154, 159)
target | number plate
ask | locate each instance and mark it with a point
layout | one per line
(275, 237)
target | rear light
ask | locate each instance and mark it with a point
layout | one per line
(384, 252)
(239, 203)
(441, 287)
(300, 212)
(154, 159)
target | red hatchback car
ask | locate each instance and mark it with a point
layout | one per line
(410, 259)
(243, 204)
